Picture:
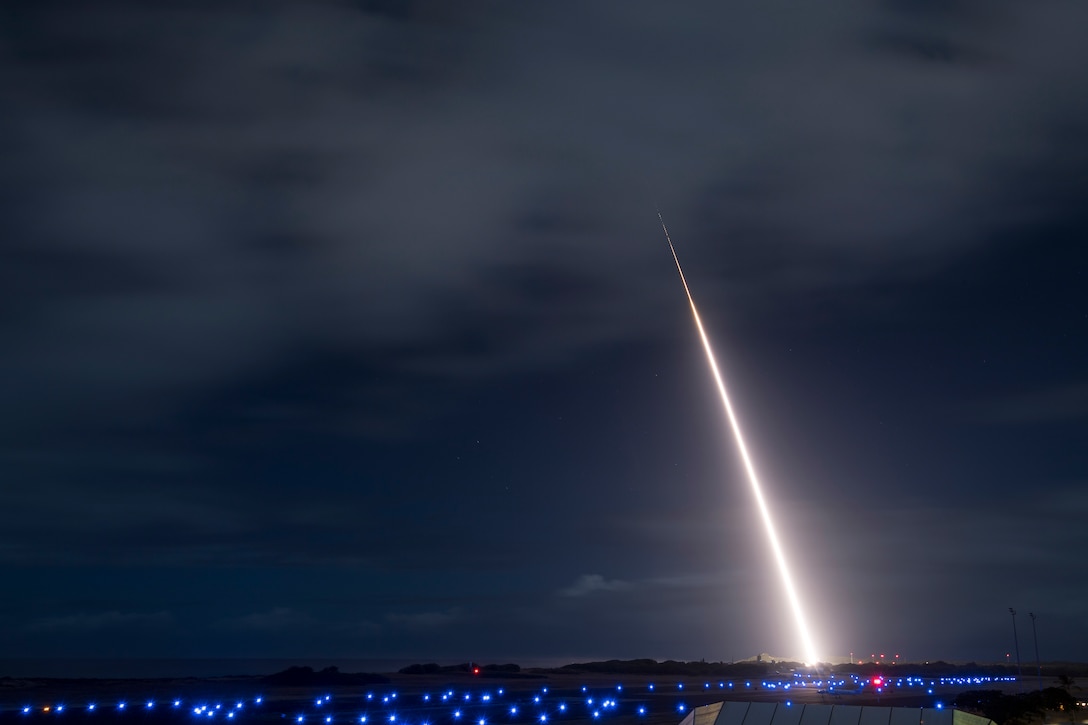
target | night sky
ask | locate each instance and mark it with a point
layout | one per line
(348, 329)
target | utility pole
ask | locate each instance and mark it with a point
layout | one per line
(1035, 638)
(1016, 641)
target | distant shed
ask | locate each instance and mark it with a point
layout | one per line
(773, 713)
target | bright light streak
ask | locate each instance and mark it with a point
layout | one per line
(783, 569)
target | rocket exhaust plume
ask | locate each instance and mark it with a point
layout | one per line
(783, 569)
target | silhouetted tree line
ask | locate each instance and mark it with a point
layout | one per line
(746, 669)
(1016, 709)
(328, 677)
(432, 668)
(668, 667)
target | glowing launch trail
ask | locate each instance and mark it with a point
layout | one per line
(787, 581)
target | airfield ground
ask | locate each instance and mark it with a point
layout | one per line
(445, 699)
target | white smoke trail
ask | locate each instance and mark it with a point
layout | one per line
(783, 569)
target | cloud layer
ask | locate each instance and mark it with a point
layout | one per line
(268, 271)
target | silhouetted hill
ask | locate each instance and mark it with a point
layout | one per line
(328, 677)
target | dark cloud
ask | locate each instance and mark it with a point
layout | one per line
(96, 622)
(589, 584)
(275, 619)
(1066, 402)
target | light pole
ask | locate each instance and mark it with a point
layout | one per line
(1035, 638)
(1015, 641)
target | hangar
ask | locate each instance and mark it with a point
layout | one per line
(773, 713)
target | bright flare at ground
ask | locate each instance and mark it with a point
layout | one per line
(783, 569)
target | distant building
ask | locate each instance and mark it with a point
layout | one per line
(774, 713)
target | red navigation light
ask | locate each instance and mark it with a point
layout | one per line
(475, 670)
(878, 681)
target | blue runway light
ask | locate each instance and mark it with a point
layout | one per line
(651, 685)
(940, 705)
(362, 719)
(120, 706)
(681, 707)
(562, 707)
(513, 711)
(299, 719)
(328, 719)
(536, 699)
(91, 706)
(596, 713)
(150, 704)
(26, 710)
(457, 714)
(642, 710)
(230, 715)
